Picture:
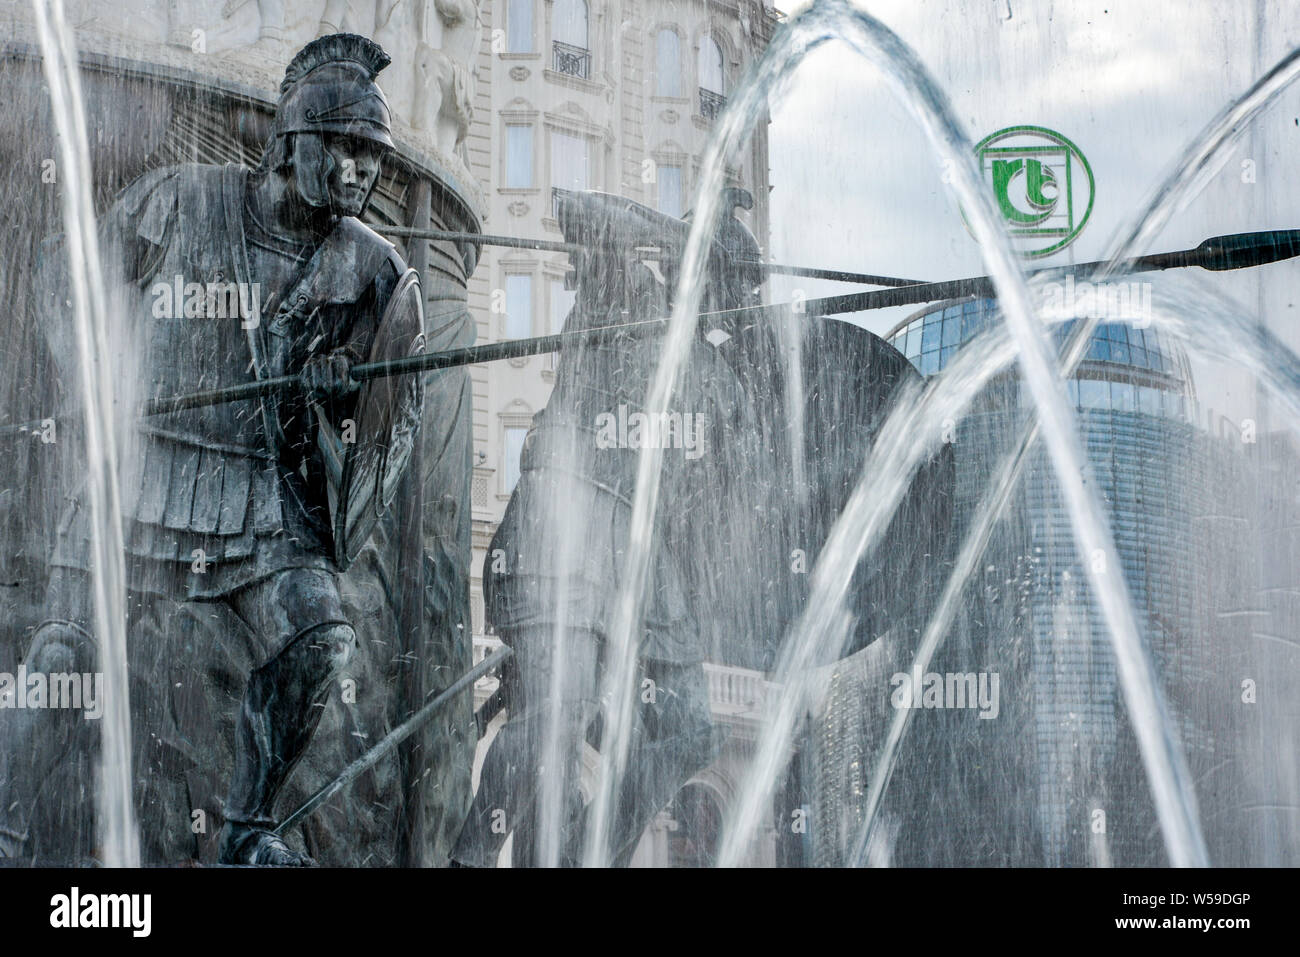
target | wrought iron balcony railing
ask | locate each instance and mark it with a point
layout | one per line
(711, 103)
(571, 60)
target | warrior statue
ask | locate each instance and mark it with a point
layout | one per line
(254, 503)
(553, 571)
(722, 587)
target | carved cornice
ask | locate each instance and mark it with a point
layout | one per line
(243, 76)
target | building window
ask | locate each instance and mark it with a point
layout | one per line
(1094, 394)
(670, 190)
(713, 81)
(570, 161)
(519, 157)
(519, 306)
(711, 73)
(514, 447)
(668, 64)
(519, 26)
(562, 301)
(571, 50)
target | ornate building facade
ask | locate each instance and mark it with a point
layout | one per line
(619, 96)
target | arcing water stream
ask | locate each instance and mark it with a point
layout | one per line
(119, 842)
(812, 643)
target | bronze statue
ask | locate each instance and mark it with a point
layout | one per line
(232, 503)
(732, 541)
(553, 570)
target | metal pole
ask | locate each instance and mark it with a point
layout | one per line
(1219, 253)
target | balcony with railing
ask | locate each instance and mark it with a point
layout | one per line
(711, 104)
(737, 696)
(570, 60)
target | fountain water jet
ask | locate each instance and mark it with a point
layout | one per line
(620, 668)
(1165, 765)
(119, 842)
(1199, 161)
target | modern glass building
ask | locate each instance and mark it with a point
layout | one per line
(1119, 352)
(1056, 779)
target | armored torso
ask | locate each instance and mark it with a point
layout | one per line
(233, 488)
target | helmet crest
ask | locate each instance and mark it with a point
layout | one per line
(329, 87)
(336, 48)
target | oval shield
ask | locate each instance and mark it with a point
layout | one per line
(387, 420)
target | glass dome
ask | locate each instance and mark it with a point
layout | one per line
(1126, 368)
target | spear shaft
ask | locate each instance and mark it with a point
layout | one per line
(1236, 251)
(551, 245)
(394, 738)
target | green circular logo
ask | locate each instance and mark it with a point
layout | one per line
(1042, 186)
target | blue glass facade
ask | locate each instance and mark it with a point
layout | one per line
(1136, 405)
(1145, 371)
(1056, 779)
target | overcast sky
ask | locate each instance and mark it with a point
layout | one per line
(855, 186)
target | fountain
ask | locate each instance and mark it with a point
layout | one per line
(970, 565)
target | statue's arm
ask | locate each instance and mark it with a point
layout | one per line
(326, 374)
(358, 340)
(136, 231)
(132, 237)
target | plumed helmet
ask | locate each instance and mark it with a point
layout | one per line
(329, 87)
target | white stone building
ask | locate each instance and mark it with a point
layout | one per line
(618, 96)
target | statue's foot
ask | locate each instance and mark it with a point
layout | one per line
(271, 48)
(258, 847)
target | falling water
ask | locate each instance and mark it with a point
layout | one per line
(554, 787)
(905, 439)
(786, 50)
(791, 338)
(1252, 349)
(1166, 769)
(119, 841)
(1193, 312)
(991, 507)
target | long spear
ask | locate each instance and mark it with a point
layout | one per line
(1235, 251)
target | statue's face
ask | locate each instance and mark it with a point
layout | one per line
(356, 167)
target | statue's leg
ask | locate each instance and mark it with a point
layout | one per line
(509, 786)
(331, 20)
(42, 748)
(271, 37)
(671, 741)
(272, 26)
(300, 614)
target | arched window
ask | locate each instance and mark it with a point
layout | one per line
(694, 842)
(712, 76)
(668, 64)
(572, 52)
